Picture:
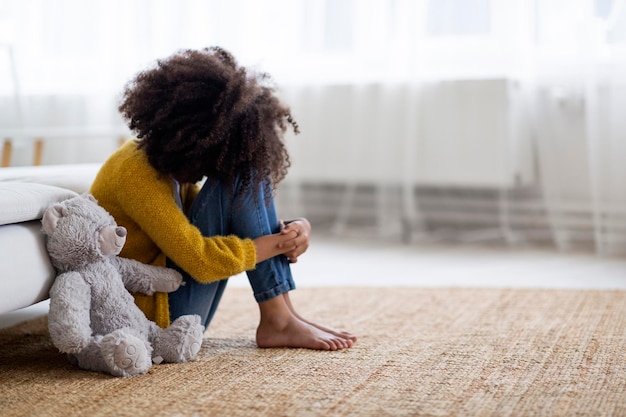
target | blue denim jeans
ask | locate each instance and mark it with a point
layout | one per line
(217, 212)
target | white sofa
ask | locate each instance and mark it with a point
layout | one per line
(25, 270)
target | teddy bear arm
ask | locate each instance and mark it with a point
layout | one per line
(69, 320)
(147, 279)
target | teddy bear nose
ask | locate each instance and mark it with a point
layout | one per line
(120, 231)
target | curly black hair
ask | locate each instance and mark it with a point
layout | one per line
(199, 114)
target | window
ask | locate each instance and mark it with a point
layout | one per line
(459, 17)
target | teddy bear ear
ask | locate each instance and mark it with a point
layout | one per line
(51, 217)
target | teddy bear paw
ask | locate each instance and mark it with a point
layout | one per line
(132, 357)
(182, 341)
(194, 342)
(193, 339)
(127, 356)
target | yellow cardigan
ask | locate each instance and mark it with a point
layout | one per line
(129, 188)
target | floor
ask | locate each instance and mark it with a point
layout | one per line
(344, 262)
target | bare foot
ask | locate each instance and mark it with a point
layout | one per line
(339, 333)
(279, 327)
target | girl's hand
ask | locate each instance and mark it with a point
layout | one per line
(302, 229)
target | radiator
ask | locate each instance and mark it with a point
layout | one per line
(457, 133)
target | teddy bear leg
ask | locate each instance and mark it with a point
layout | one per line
(181, 341)
(125, 354)
(90, 358)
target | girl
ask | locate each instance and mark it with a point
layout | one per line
(198, 115)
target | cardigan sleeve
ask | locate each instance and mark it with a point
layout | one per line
(150, 202)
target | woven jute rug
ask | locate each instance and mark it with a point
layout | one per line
(421, 352)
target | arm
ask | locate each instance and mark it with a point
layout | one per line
(148, 200)
(68, 320)
(273, 245)
(146, 279)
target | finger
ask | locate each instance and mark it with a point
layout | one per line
(288, 242)
(287, 230)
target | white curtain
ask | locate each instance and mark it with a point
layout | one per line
(92, 46)
(504, 95)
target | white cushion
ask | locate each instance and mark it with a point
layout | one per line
(24, 201)
(76, 177)
(26, 273)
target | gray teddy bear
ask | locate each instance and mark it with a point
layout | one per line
(93, 317)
